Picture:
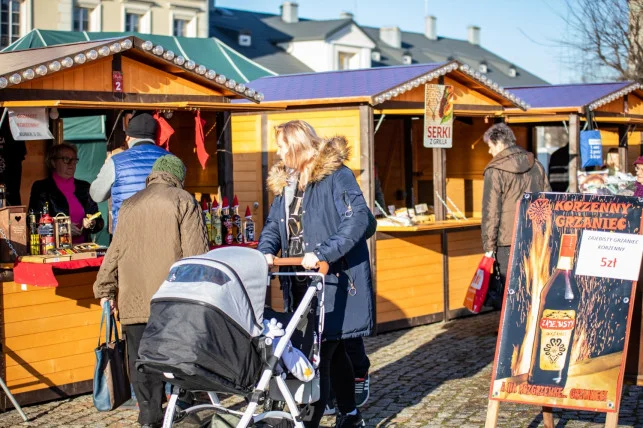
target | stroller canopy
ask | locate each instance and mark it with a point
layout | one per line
(232, 279)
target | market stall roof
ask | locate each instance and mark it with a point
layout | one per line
(211, 52)
(376, 86)
(20, 68)
(574, 96)
(612, 102)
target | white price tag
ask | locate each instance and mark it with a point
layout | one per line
(610, 255)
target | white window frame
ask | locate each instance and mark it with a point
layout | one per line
(144, 10)
(191, 19)
(95, 21)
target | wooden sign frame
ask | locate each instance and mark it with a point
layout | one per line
(591, 376)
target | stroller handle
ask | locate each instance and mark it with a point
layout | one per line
(296, 261)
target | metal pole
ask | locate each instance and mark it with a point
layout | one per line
(13, 400)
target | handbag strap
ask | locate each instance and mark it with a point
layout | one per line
(109, 325)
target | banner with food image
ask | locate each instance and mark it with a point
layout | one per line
(438, 116)
(568, 299)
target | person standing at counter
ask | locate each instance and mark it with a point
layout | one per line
(158, 226)
(312, 186)
(512, 172)
(65, 194)
(125, 173)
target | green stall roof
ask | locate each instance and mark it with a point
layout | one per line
(211, 52)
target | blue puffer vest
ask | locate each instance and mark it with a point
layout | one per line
(131, 169)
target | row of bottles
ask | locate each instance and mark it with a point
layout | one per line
(226, 227)
(41, 232)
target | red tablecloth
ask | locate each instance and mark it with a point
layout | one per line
(42, 274)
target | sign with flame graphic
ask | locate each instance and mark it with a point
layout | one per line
(438, 116)
(564, 333)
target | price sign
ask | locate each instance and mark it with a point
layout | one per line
(610, 255)
(117, 81)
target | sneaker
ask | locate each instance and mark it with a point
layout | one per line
(349, 421)
(330, 409)
(362, 390)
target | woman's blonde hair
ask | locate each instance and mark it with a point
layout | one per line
(55, 151)
(303, 146)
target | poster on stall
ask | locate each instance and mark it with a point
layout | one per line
(438, 116)
(29, 124)
(568, 300)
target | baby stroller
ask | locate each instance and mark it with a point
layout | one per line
(206, 333)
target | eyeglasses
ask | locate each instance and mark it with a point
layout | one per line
(67, 160)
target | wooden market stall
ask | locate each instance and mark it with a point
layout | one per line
(616, 110)
(421, 272)
(48, 334)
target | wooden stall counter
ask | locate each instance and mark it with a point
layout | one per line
(423, 271)
(48, 337)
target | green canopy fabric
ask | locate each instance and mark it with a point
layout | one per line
(87, 128)
(212, 52)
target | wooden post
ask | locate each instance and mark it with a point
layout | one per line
(574, 148)
(408, 162)
(224, 154)
(367, 182)
(548, 417)
(611, 420)
(439, 183)
(492, 414)
(622, 147)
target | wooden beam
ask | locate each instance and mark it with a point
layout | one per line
(224, 154)
(622, 147)
(439, 182)
(408, 162)
(574, 149)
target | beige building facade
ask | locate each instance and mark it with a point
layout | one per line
(187, 18)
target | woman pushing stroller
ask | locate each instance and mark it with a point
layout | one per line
(319, 213)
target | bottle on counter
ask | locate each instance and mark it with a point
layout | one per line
(556, 321)
(215, 213)
(237, 230)
(34, 238)
(248, 227)
(46, 231)
(207, 217)
(226, 223)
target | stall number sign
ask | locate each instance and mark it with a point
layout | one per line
(29, 124)
(610, 255)
(438, 116)
(117, 81)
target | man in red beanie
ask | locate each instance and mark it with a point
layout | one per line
(124, 174)
(638, 171)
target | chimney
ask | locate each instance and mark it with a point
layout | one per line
(346, 15)
(474, 35)
(392, 36)
(289, 12)
(431, 27)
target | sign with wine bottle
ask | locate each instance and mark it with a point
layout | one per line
(568, 299)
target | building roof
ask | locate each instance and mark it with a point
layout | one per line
(424, 50)
(226, 24)
(269, 30)
(581, 95)
(375, 85)
(212, 53)
(20, 65)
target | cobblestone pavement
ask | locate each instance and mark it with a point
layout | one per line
(429, 376)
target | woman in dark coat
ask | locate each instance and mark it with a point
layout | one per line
(64, 194)
(319, 213)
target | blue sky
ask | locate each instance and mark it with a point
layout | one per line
(525, 32)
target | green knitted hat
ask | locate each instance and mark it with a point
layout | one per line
(171, 164)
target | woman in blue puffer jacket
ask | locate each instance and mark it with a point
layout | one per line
(319, 213)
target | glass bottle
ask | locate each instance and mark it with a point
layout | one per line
(226, 223)
(216, 237)
(248, 227)
(556, 321)
(207, 217)
(237, 230)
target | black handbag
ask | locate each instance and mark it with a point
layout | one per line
(111, 383)
(496, 291)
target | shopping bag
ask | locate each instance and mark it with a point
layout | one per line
(479, 286)
(111, 383)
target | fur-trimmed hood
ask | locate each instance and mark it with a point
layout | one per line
(332, 155)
